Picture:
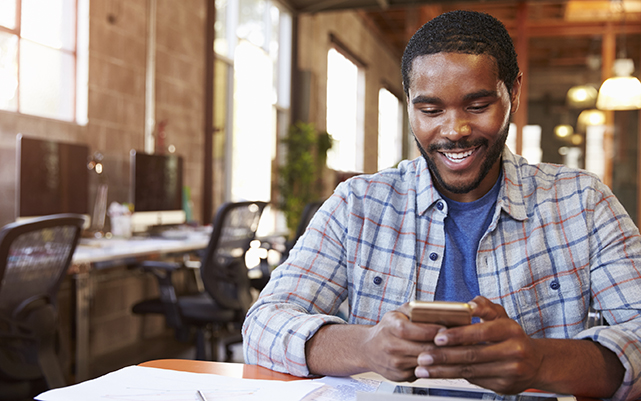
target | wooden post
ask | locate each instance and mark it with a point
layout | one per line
(608, 53)
(522, 38)
(208, 157)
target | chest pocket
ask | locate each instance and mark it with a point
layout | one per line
(554, 307)
(374, 293)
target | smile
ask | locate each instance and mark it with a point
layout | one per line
(458, 157)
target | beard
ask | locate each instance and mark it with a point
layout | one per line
(493, 154)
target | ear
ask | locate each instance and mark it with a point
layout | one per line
(516, 93)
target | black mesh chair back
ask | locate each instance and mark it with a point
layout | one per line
(223, 268)
(34, 258)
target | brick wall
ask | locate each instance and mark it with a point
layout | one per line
(116, 110)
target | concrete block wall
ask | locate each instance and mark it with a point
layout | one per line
(116, 122)
(116, 114)
(116, 95)
(382, 68)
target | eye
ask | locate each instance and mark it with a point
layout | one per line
(478, 107)
(431, 111)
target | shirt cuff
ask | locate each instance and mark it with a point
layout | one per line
(624, 345)
(295, 339)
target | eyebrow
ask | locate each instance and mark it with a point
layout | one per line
(470, 96)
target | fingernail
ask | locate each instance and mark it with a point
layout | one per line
(425, 359)
(440, 339)
(421, 372)
(473, 304)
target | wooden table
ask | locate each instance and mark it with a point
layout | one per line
(220, 368)
(234, 370)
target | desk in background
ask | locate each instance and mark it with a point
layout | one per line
(96, 254)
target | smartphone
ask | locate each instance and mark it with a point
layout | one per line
(444, 313)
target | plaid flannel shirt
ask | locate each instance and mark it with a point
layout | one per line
(559, 243)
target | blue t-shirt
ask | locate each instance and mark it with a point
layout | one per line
(465, 224)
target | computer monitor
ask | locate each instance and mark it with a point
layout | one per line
(52, 177)
(156, 190)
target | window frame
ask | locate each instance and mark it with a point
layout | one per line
(17, 31)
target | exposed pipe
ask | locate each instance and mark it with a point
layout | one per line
(150, 79)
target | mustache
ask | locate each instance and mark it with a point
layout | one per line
(464, 144)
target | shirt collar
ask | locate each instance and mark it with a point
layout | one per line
(510, 197)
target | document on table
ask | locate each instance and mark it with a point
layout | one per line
(137, 383)
(342, 388)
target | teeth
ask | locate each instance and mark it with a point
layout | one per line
(458, 157)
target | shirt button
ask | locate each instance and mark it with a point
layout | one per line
(555, 285)
(439, 205)
(433, 255)
(378, 280)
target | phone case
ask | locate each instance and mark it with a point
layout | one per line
(448, 314)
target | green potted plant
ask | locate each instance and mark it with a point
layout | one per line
(301, 174)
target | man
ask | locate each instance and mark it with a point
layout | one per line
(533, 246)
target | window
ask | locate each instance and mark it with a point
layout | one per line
(345, 89)
(532, 144)
(390, 129)
(253, 51)
(38, 57)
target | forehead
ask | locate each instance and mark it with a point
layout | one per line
(458, 69)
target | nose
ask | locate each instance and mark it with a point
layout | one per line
(457, 128)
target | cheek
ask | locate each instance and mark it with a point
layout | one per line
(422, 127)
(493, 124)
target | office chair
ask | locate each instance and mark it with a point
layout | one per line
(34, 258)
(220, 309)
(265, 269)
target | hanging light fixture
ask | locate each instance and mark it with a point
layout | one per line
(590, 117)
(581, 96)
(622, 92)
(563, 131)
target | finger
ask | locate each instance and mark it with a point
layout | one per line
(496, 376)
(398, 362)
(492, 331)
(404, 354)
(405, 309)
(470, 354)
(487, 310)
(401, 327)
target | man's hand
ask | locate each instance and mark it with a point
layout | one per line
(497, 354)
(390, 348)
(393, 345)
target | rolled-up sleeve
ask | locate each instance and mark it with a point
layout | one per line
(303, 294)
(615, 271)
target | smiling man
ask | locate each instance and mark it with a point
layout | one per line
(532, 247)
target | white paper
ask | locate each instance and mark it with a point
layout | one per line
(137, 383)
(342, 388)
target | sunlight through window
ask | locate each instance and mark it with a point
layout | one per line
(390, 129)
(343, 114)
(38, 59)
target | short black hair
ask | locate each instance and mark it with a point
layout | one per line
(467, 32)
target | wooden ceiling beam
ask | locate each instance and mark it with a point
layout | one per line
(561, 29)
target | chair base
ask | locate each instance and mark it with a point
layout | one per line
(220, 341)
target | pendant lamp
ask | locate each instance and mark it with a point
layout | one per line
(622, 92)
